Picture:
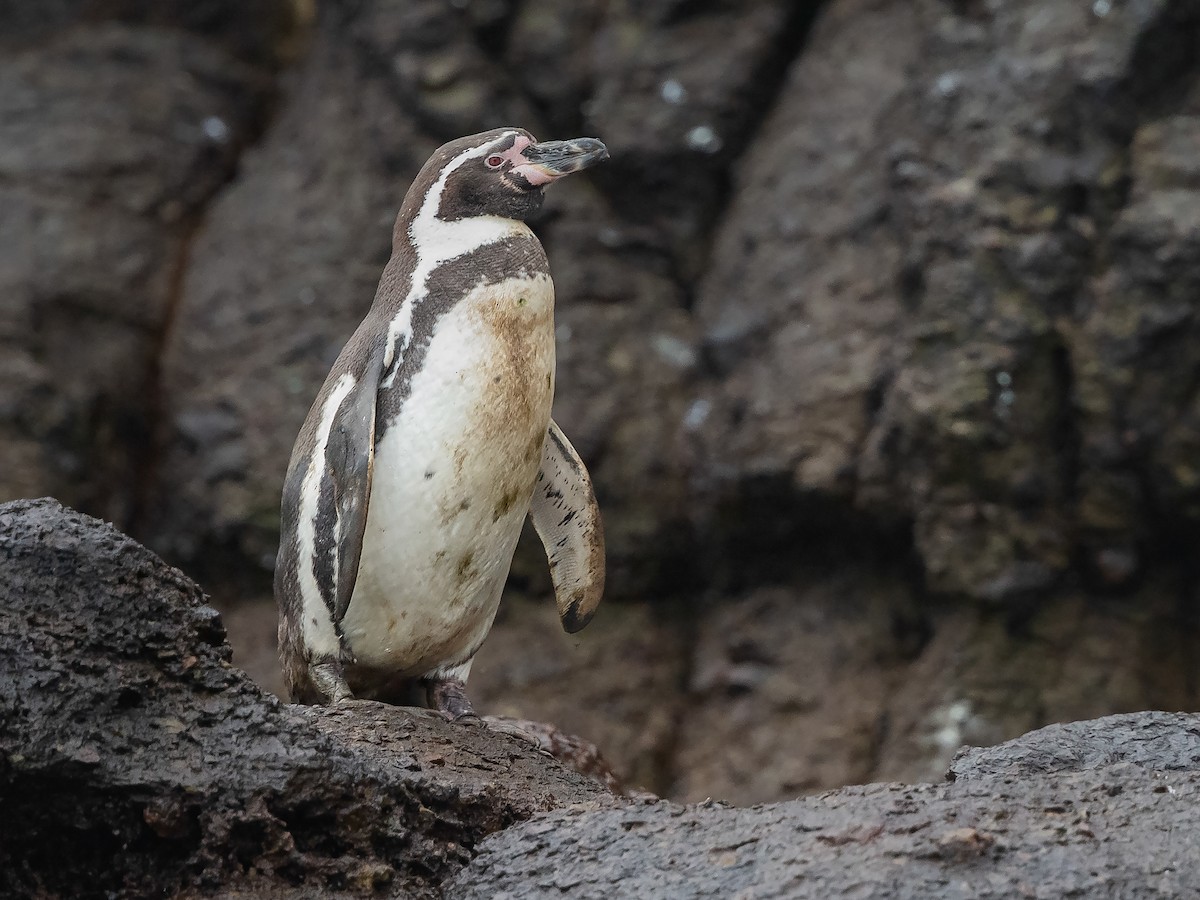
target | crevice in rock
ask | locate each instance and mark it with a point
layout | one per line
(686, 614)
(1188, 612)
(1166, 61)
(492, 33)
(1066, 430)
(770, 80)
(146, 455)
(1165, 65)
(770, 528)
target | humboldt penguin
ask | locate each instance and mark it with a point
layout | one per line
(431, 440)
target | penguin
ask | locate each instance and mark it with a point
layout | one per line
(431, 441)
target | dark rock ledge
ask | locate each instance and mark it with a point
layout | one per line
(1104, 808)
(135, 761)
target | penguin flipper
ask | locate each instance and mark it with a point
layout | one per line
(567, 519)
(349, 465)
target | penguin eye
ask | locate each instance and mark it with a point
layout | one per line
(494, 161)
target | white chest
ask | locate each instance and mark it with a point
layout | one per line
(453, 476)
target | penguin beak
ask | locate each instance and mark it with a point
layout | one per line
(549, 160)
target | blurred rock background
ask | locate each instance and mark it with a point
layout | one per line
(880, 334)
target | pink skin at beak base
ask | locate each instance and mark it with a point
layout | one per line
(534, 174)
(531, 172)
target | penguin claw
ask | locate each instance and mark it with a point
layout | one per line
(449, 697)
(327, 677)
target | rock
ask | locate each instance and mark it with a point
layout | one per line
(1156, 741)
(978, 158)
(1139, 420)
(863, 320)
(616, 683)
(571, 750)
(675, 90)
(799, 328)
(981, 678)
(266, 32)
(1094, 826)
(789, 691)
(134, 759)
(844, 678)
(112, 139)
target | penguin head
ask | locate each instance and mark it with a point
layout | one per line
(502, 172)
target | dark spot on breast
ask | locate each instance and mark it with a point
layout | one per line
(464, 564)
(506, 502)
(453, 510)
(428, 475)
(534, 451)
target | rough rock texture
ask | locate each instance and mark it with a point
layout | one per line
(618, 685)
(878, 334)
(836, 678)
(111, 141)
(842, 679)
(1134, 352)
(953, 274)
(135, 760)
(1072, 811)
(1152, 740)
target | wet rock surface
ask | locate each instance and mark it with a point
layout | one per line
(879, 325)
(112, 139)
(1101, 822)
(786, 690)
(924, 252)
(1155, 741)
(135, 760)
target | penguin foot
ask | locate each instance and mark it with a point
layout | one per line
(329, 679)
(449, 696)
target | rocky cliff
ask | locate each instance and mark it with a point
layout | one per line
(879, 334)
(136, 761)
